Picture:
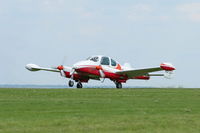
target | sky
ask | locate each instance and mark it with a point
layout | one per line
(143, 33)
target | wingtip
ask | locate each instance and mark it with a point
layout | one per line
(167, 66)
(32, 67)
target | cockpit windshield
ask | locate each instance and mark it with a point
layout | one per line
(113, 62)
(105, 61)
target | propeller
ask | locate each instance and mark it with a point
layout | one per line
(61, 67)
(101, 72)
(72, 72)
(127, 66)
(168, 74)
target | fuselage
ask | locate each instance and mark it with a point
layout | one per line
(92, 67)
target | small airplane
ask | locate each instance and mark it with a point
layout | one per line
(100, 67)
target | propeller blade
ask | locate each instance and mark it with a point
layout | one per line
(102, 80)
(127, 66)
(72, 71)
(54, 67)
(62, 73)
(102, 73)
(168, 74)
(64, 59)
(61, 67)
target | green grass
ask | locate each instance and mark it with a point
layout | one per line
(99, 110)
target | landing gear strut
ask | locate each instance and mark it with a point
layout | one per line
(71, 83)
(79, 85)
(118, 85)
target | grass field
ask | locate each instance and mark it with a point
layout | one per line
(99, 110)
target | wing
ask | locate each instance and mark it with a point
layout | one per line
(33, 67)
(139, 72)
(146, 71)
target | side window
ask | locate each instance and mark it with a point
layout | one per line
(113, 62)
(105, 61)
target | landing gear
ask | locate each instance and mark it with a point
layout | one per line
(71, 83)
(79, 85)
(118, 85)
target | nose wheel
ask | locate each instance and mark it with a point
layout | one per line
(79, 85)
(71, 83)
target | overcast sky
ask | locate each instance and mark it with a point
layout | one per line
(144, 33)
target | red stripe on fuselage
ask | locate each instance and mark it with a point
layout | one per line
(89, 70)
(94, 71)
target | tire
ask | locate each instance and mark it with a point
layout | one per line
(71, 83)
(79, 85)
(118, 85)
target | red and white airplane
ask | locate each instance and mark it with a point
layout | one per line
(101, 67)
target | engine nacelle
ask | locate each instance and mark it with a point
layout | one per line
(142, 77)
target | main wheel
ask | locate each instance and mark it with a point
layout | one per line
(71, 83)
(79, 85)
(118, 85)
